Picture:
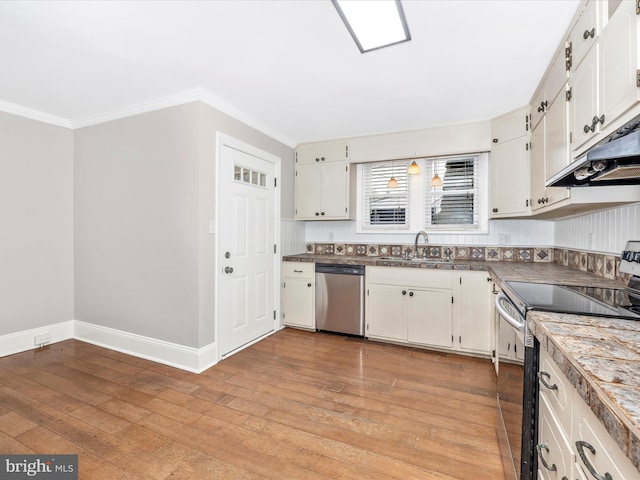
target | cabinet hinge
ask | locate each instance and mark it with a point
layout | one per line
(275, 182)
(274, 314)
(346, 151)
(460, 339)
(568, 94)
(493, 354)
(346, 169)
(638, 72)
(451, 299)
(637, 7)
(568, 51)
(274, 248)
(570, 137)
(367, 292)
(526, 123)
(526, 146)
(460, 280)
(296, 157)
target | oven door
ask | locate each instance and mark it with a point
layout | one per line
(516, 392)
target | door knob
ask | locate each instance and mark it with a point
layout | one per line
(228, 269)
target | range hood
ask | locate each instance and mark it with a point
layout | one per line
(613, 161)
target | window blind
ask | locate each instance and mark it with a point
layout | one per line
(456, 202)
(384, 207)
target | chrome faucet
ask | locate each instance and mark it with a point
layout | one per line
(415, 244)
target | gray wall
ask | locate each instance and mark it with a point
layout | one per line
(144, 195)
(36, 232)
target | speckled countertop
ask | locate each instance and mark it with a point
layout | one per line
(600, 356)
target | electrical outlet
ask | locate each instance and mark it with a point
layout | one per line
(40, 340)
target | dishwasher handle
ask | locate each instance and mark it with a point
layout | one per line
(518, 323)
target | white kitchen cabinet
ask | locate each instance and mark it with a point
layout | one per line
(602, 453)
(605, 83)
(568, 428)
(549, 154)
(409, 305)
(555, 454)
(323, 191)
(443, 309)
(298, 294)
(472, 311)
(585, 32)
(509, 165)
(325, 182)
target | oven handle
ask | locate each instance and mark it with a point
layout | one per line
(516, 323)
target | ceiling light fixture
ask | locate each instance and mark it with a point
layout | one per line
(374, 24)
(413, 169)
(436, 181)
(392, 184)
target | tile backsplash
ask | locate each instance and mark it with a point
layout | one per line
(601, 264)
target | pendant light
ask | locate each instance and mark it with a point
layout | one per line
(392, 183)
(436, 181)
(413, 169)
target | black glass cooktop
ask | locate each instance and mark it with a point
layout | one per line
(605, 302)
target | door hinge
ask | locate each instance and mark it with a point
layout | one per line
(568, 94)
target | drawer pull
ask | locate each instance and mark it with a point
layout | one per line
(540, 447)
(297, 271)
(580, 446)
(541, 376)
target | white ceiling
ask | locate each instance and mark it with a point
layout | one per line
(287, 67)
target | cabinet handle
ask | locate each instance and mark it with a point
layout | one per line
(317, 214)
(404, 292)
(580, 445)
(495, 140)
(317, 159)
(297, 271)
(309, 284)
(589, 33)
(322, 159)
(541, 377)
(540, 447)
(411, 294)
(321, 213)
(495, 210)
(588, 128)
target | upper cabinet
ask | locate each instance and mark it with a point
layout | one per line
(324, 182)
(604, 67)
(509, 165)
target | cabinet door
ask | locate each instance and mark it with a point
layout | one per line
(472, 308)
(555, 455)
(584, 102)
(510, 178)
(334, 187)
(510, 126)
(619, 63)
(298, 302)
(318, 152)
(557, 135)
(429, 317)
(385, 312)
(538, 175)
(308, 191)
(585, 33)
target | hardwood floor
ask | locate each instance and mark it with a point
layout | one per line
(297, 405)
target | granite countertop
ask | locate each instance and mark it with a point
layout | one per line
(601, 358)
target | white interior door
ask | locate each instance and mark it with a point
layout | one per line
(246, 245)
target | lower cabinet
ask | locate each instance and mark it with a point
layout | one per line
(298, 294)
(445, 309)
(572, 442)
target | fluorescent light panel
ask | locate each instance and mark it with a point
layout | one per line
(374, 24)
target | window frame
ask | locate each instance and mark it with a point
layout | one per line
(417, 206)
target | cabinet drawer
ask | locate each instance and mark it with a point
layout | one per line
(299, 269)
(557, 391)
(553, 448)
(608, 457)
(411, 277)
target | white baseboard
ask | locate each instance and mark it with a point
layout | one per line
(186, 358)
(191, 359)
(24, 340)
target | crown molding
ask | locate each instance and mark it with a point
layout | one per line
(33, 114)
(180, 98)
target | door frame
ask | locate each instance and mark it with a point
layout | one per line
(223, 140)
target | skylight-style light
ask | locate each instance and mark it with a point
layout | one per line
(374, 24)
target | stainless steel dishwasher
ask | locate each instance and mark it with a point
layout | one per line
(340, 298)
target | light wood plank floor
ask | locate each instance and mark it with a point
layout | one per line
(297, 405)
